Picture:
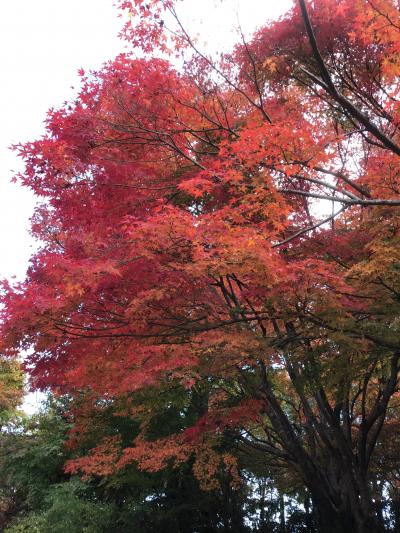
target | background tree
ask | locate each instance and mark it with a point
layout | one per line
(42, 497)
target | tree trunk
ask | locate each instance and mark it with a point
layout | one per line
(344, 518)
(282, 518)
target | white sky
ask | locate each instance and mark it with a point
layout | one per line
(42, 45)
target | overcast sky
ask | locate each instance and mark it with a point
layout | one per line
(42, 45)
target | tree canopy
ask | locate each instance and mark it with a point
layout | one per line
(218, 285)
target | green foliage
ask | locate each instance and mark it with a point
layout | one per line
(11, 389)
(66, 511)
(32, 456)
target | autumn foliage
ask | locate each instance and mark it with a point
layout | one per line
(223, 239)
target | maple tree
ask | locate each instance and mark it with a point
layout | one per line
(183, 255)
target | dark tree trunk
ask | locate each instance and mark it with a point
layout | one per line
(332, 462)
(346, 517)
(282, 518)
